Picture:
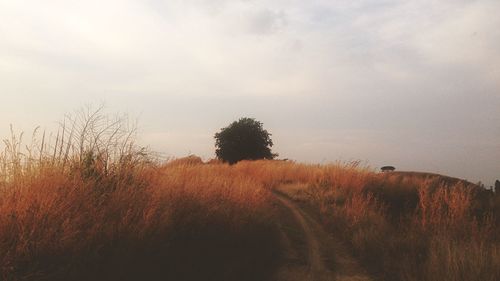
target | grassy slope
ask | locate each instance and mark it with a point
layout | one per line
(127, 218)
(176, 222)
(441, 178)
(406, 226)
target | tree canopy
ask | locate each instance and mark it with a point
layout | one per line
(244, 139)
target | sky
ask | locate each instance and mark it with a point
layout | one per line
(409, 83)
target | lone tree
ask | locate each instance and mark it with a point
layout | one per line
(244, 139)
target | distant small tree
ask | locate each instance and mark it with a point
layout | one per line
(244, 139)
(497, 187)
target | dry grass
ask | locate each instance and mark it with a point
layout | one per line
(91, 205)
(401, 227)
(88, 204)
(182, 217)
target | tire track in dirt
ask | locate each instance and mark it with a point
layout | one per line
(317, 245)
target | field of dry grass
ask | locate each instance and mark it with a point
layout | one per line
(401, 227)
(88, 204)
(91, 205)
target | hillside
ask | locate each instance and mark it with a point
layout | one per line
(433, 176)
(88, 217)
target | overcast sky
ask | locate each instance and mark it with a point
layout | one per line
(414, 84)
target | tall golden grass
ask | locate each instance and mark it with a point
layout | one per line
(89, 204)
(401, 227)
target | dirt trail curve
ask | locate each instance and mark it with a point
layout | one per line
(325, 258)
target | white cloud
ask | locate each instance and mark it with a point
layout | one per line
(428, 68)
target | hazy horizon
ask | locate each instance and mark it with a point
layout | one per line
(413, 84)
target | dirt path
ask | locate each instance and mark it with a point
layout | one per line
(322, 257)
